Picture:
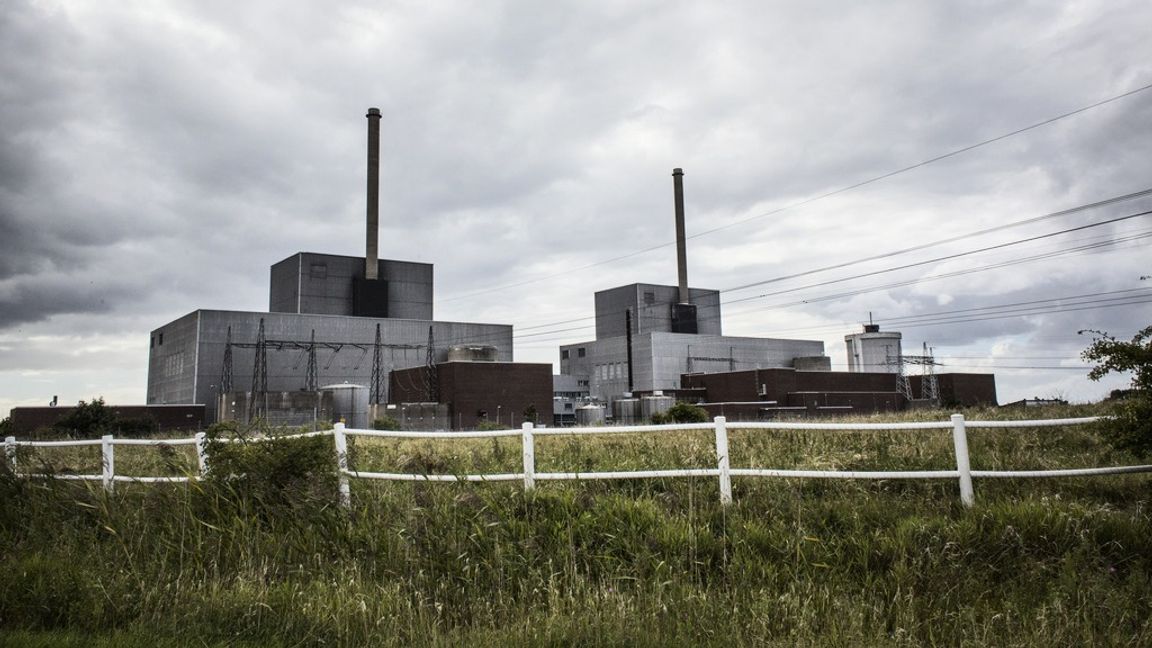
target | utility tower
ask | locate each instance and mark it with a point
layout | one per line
(259, 394)
(929, 386)
(377, 370)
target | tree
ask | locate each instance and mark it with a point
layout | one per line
(1117, 356)
(681, 413)
(87, 420)
(1131, 426)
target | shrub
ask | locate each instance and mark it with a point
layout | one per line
(284, 474)
(1131, 426)
(87, 420)
(385, 423)
(681, 413)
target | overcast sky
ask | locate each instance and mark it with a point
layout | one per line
(158, 157)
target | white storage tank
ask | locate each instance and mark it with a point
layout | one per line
(626, 411)
(590, 415)
(349, 402)
(653, 405)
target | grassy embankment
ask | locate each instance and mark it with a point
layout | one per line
(270, 561)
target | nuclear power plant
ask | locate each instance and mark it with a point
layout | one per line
(658, 343)
(354, 338)
(335, 329)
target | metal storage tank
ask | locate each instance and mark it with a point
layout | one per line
(349, 402)
(652, 405)
(626, 411)
(472, 353)
(590, 415)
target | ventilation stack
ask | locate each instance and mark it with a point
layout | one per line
(684, 312)
(370, 294)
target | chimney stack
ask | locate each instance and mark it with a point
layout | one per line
(681, 254)
(372, 254)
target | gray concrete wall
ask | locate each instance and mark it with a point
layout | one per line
(172, 362)
(321, 284)
(869, 352)
(201, 337)
(651, 306)
(658, 359)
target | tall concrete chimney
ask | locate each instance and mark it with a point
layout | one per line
(681, 254)
(372, 254)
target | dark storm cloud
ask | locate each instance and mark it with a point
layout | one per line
(170, 153)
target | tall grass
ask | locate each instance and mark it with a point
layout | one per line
(266, 560)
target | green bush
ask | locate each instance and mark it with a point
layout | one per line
(681, 413)
(272, 475)
(1131, 426)
(385, 423)
(87, 420)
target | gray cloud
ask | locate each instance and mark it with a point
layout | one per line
(157, 160)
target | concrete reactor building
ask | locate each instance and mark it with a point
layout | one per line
(647, 335)
(333, 322)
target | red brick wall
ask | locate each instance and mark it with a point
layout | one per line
(499, 389)
(26, 420)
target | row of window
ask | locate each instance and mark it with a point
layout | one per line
(580, 353)
(610, 371)
(173, 365)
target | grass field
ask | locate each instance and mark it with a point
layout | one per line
(268, 559)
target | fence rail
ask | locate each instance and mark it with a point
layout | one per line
(723, 470)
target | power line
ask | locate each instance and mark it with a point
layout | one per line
(947, 275)
(1053, 303)
(939, 258)
(1079, 208)
(953, 239)
(887, 286)
(816, 198)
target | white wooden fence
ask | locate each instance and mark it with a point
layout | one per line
(723, 471)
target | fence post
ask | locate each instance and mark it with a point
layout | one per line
(722, 460)
(108, 461)
(10, 452)
(528, 445)
(960, 441)
(342, 464)
(202, 453)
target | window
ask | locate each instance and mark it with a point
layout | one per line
(580, 353)
(563, 354)
(151, 341)
(160, 342)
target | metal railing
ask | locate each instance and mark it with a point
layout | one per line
(723, 470)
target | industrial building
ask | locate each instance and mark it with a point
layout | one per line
(648, 335)
(470, 392)
(208, 353)
(874, 350)
(657, 359)
(332, 320)
(657, 342)
(768, 393)
(26, 421)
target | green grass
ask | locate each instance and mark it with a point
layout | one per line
(269, 561)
